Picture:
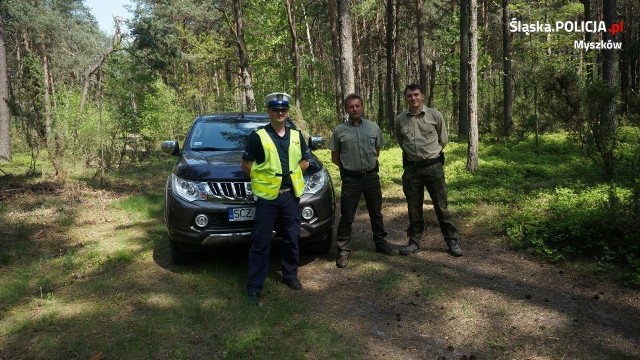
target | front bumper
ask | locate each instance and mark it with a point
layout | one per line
(180, 215)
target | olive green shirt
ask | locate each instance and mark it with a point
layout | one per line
(421, 136)
(357, 144)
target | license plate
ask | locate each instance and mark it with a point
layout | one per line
(241, 213)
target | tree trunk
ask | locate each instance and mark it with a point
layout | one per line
(381, 98)
(295, 56)
(54, 144)
(463, 110)
(311, 70)
(346, 47)
(243, 55)
(422, 53)
(92, 70)
(391, 67)
(629, 60)
(588, 36)
(432, 83)
(46, 96)
(472, 149)
(609, 68)
(399, 98)
(507, 89)
(337, 66)
(609, 76)
(5, 114)
(454, 87)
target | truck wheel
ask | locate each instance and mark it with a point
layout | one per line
(178, 256)
(323, 244)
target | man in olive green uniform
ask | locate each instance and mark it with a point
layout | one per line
(355, 146)
(422, 135)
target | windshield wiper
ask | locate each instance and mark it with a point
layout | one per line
(207, 148)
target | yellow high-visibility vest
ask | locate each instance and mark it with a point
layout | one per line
(264, 181)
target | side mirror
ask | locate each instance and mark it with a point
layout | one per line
(170, 147)
(316, 142)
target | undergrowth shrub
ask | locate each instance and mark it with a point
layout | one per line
(599, 222)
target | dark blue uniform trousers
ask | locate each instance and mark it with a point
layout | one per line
(285, 208)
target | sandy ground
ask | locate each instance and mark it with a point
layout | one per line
(491, 303)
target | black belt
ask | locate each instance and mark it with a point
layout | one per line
(422, 163)
(358, 174)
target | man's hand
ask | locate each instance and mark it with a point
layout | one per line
(246, 167)
(335, 158)
(304, 164)
(313, 166)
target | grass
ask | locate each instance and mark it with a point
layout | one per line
(85, 272)
(82, 263)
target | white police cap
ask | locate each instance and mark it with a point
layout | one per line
(277, 100)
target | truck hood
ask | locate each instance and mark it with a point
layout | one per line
(220, 166)
(210, 165)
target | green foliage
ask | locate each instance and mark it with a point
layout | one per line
(564, 101)
(551, 198)
(145, 206)
(366, 9)
(549, 72)
(628, 155)
(599, 222)
(182, 61)
(26, 103)
(599, 133)
(568, 222)
(253, 337)
(512, 171)
(162, 116)
(556, 201)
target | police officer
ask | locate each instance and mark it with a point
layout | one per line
(355, 147)
(422, 135)
(274, 158)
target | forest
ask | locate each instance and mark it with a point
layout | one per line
(542, 105)
(501, 73)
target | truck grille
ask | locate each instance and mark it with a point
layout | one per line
(231, 190)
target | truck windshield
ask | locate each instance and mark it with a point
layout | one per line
(222, 135)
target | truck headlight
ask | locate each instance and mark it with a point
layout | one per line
(187, 189)
(315, 182)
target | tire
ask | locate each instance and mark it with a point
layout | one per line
(323, 244)
(178, 256)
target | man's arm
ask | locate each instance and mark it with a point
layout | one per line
(246, 166)
(335, 158)
(443, 136)
(396, 130)
(379, 141)
(251, 147)
(306, 153)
